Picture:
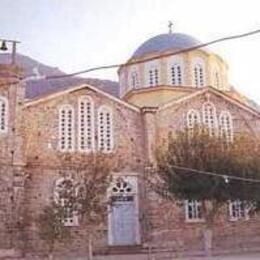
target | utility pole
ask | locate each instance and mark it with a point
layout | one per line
(4, 47)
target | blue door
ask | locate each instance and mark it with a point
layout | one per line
(123, 221)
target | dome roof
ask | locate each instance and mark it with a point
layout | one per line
(164, 42)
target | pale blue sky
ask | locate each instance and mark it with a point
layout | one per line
(77, 34)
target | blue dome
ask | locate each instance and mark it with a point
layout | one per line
(164, 42)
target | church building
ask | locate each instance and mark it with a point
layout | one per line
(168, 84)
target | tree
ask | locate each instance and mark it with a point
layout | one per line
(82, 195)
(200, 167)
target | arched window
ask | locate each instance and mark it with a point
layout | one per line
(86, 124)
(66, 128)
(121, 188)
(65, 195)
(3, 114)
(210, 118)
(226, 126)
(176, 75)
(193, 119)
(153, 77)
(134, 80)
(217, 82)
(199, 78)
(105, 129)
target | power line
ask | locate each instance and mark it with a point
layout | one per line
(232, 37)
(74, 167)
(225, 177)
(228, 38)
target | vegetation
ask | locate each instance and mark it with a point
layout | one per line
(184, 162)
(80, 193)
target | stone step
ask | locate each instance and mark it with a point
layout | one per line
(120, 250)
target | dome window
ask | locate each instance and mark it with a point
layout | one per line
(217, 80)
(199, 75)
(153, 77)
(176, 75)
(134, 80)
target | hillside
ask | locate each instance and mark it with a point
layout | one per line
(42, 87)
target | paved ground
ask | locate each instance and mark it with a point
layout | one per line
(253, 256)
(228, 257)
(233, 257)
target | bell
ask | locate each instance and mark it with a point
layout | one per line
(3, 46)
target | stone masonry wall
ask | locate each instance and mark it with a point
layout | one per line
(45, 162)
(168, 227)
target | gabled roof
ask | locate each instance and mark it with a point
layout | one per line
(45, 98)
(219, 93)
(42, 87)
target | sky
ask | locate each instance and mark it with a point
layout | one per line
(79, 34)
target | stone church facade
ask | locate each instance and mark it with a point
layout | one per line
(157, 96)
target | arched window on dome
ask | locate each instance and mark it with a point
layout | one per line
(198, 72)
(3, 114)
(86, 124)
(134, 79)
(152, 74)
(105, 129)
(193, 119)
(217, 79)
(176, 71)
(198, 75)
(66, 128)
(226, 126)
(176, 75)
(153, 77)
(210, 118)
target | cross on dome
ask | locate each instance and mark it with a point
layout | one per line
(170, 24)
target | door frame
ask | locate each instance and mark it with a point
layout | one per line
(131, 178)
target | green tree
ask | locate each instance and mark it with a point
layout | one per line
(184, 164)
(83, 195)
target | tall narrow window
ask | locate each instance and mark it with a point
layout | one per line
(193, 210)
(3, 115)
(153, 76)
(193, 119)
(86, 124)
(209, 118)
(199, 79)
(134, 80)
(226, 126)
(176, 75)
(105, 130)
(66, 128)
